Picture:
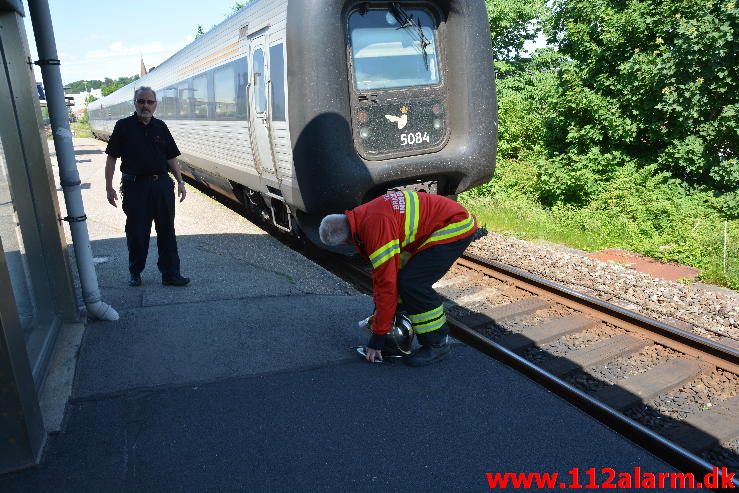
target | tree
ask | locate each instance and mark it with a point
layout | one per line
(512, 23)
(240, 5)
(234, 8)
(110, 86)
(81, 86)
(652, 80)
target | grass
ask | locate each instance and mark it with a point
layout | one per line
(80, 129)
(529, 221)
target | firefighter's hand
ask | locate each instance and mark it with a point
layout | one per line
(373, 355)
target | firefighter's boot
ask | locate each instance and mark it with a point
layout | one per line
(434, 347)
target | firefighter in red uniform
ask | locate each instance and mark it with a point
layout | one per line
(412, 239)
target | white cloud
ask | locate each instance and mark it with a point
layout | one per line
(118, 49)
(117, 60)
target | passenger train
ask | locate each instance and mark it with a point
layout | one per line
(303, 108)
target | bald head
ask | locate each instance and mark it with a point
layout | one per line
(334, 230)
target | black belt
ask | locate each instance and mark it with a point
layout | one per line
(129, 177)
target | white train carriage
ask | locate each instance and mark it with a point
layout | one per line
(300, 108)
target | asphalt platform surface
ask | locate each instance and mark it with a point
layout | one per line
(246, 380)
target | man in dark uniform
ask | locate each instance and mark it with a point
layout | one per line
(148, 151)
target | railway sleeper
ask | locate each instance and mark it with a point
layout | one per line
(600, 352)
(644, 387)
(708, 428)
(537, 335)
(487, 315)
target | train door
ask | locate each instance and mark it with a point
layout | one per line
(259, 102)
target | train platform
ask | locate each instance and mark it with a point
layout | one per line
(246, 380)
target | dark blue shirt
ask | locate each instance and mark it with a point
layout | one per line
(144, 149)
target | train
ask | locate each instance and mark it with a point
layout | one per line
(302, 108)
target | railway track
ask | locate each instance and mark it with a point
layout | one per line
(669, 390)
(673, 392)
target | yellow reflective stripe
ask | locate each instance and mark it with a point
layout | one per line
(426, 316)
(428, 321)
(411, 217)
(384, 253)
(430, 326)
(451, 230)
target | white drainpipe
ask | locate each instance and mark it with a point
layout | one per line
(69, 177)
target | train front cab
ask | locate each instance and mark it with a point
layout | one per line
(385, 95)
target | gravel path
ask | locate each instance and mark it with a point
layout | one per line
(706, 310)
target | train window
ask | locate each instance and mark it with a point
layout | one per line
(242, 82)
(277, 82)
(168, 105)
(393, 47)
(120, 110)
(200, 97)
(224, 90)
(260, 95)
(184, 99)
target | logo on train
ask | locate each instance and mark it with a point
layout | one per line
(401, 120)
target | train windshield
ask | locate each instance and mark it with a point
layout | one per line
(393, 47)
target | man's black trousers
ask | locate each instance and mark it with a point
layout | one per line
(415, 282)
(146, 200)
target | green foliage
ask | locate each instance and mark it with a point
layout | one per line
(239, 5)
(110, 86)
(525, 88)
(81, 86)
(512, 23)
(655, 80)
(81, 129)
(576, 179)
(639, 209)
(234, 8)
(107, 86)
(626, 136)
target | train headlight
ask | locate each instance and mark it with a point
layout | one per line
(364, 132)
(437, 123)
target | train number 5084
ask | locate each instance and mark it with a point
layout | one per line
(414, 138)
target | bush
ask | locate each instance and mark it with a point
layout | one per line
(640, 210)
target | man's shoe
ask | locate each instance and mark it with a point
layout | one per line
(176, 281)
(426, 355)
(135, 280)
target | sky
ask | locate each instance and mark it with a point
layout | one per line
(107, 38)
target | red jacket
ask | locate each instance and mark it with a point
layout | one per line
(392, 228)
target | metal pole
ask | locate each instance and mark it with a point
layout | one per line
(69, 177)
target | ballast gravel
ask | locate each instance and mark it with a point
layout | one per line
(704, 310)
